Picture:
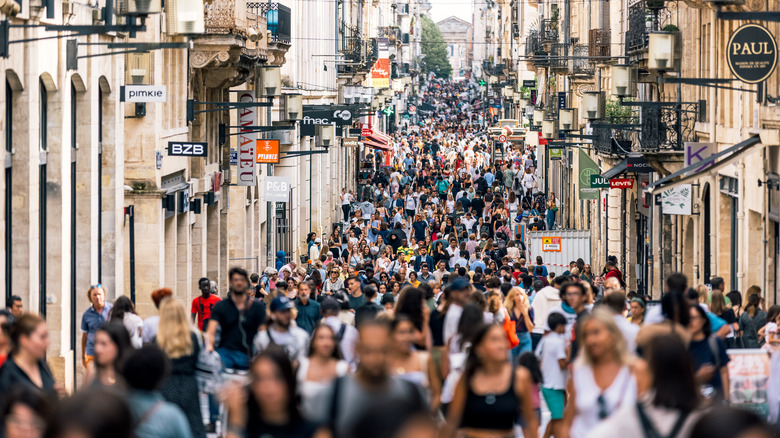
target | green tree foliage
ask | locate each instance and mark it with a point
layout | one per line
(435, 50)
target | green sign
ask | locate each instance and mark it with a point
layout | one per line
(556, 154)
(588, 167)
(599, 182)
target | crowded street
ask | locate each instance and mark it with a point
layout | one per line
(390, 219)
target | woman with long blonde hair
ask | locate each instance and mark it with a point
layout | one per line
(519, 310)
(179, 341)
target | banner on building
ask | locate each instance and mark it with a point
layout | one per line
(246, 175)
(380, 72)
(749, 377)
(587, 167)
(677, 200)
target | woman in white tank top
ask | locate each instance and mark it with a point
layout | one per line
(317, 371)
(602, 379)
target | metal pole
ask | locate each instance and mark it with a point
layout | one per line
(269, 205)
(649, 242)
(311, 164)
(131, 229)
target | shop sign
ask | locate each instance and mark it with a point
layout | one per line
(752, 53)
(246, 174)
(556, 154)
(621, 183)
(268, 151)
(698, 152)
(551, 244)
(638, 164)
(351, 142)
(529, 83)
(277, 189)
(677, 200)
(599, 182)
(144, 93)
(187, 149)
(587, 167)
(341, 115)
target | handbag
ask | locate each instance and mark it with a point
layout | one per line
(208, 369)
(510, 327)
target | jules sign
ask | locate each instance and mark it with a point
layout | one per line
(752, 53)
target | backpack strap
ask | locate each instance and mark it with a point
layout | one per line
(334, 402)
(715, 348)
(148, 414)
(342, 330)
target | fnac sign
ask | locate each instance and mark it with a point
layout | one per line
(268, 151)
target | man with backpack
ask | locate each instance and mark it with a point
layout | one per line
(346, 335)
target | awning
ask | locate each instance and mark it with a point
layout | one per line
(378, 140)
(727, 154)
(616, 169)
(375, 145)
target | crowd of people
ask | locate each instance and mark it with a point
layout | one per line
(418, 316)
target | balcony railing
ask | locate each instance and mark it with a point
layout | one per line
(224, 16)
(354, 51)
(637, 34)
(393, 33)
(549, 30)
(279, 22)
(558, 61)
(609, 142)
(580, 66)
(667, 128)
(534, 49)
(599, 42)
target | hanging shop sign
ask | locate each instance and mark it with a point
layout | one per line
(246, 174)
(697, 152)
(599, 182)
(621, 183)
(350, 142)
(677, 200)
(638, 164)
(144, 93)
(556, 154)
(380, 72)
(187, 149)
(588, 167)
(529, 83)
(752, 53)
(277, 189)
(268, 151)
(341, 115)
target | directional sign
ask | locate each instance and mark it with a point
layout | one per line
(187, 149)
(502, 138)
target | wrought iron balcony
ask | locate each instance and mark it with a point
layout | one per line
(607, 141)
(582, 67)
(548, 30)
(354, 51)
(393, 34)
(667, 127)
(599, 42)
(638, 25)
(278, 17)
(534, 49)
(558, 61)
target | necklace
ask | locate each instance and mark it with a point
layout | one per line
(490, 398)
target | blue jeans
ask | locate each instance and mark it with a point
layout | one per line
(213, 408)
(524, 346)
(233, 359)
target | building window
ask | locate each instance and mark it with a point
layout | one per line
(9, 138)
(43, 121)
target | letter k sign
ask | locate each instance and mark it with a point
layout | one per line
(699, 153)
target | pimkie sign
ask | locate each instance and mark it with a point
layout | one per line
(752, 53)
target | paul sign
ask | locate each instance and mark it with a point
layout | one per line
(752, 53)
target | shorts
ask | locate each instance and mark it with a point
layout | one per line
(555, 399)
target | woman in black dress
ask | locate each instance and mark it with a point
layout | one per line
(176, 338)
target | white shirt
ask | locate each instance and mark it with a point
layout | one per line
(294, 341)
(629, 332)
(550, 350)
(346, 198)
(349, 339)
(454, 255)
(451, 320)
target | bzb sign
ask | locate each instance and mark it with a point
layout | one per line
(752, 53)
(181, 149)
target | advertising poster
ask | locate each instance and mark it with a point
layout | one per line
(380, 72)
(749, 380)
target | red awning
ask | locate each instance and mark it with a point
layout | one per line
(375, 145)
(378, 140)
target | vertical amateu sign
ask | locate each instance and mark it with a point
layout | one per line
(247, 153)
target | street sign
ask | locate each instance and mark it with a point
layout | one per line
(350, 142)
(233, 157)
(551, 244)
(268, 151)
(752, 53)
(621, 183)
(502, 138)
(144, 93)
(599, 182)
(187, 149)
(277, 189)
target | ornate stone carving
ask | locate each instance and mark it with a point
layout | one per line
(220, 16)
(581, 89)
(214, 58)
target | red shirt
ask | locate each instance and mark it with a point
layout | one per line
(202, 307)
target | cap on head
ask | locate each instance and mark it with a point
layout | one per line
(281, 303)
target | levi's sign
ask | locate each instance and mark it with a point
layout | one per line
(621, 183)
(186, 149)
(145, 93)
(752, 53)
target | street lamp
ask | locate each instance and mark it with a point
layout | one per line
(624, 78)
(539, 115)
(293, 104)
(567, 119)
(326, 134)
(593, 105)
(549, 129)
(268, 81)
(661, 51)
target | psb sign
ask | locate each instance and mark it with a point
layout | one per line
(551, 244)
(185, 149)
(752, 53)
(144, 93)
(277, 189)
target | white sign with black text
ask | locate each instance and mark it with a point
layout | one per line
(145, 93)
(277, 189)
(246, 173)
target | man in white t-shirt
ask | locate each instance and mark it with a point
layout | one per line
(553, 359)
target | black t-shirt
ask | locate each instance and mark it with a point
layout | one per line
(478, 205)
(227, 315)
(728, 316)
